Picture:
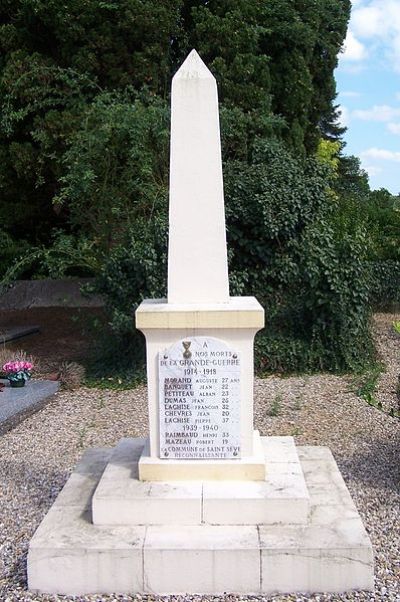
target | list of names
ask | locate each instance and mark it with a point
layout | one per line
(199, 399)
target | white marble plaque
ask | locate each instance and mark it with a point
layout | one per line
(199, 399)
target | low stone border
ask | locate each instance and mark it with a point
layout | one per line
(18, 404)
(17, 332)
(47, 293)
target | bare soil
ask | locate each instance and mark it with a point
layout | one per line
(66, 334)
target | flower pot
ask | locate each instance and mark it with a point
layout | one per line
(17, 383)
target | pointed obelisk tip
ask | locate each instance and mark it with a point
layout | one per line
(193, 67)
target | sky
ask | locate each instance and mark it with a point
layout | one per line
(368, 86)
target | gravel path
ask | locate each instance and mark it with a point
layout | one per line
(38, 455)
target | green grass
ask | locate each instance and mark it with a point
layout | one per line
(275, 408)
(366, 384)
(396, 326)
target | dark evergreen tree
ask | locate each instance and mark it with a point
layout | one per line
(84, 88)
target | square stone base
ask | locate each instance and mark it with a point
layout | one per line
(331, 552)
(122, 499)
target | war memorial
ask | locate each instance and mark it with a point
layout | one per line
(204, 504)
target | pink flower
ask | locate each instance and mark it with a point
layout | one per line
(10, 367)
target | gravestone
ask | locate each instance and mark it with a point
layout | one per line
(204, 505)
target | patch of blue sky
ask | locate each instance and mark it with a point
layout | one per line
(368, 85)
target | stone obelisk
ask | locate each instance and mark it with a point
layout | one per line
(197, 257)
(199, 313)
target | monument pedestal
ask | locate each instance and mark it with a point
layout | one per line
(233, 325)
(108, 532)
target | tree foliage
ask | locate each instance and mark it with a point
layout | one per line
(379, 213)
(84, 130)
(282, 227)
(273, 60)
(284, 248)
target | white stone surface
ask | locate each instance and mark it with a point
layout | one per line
(198, 287)
(197, 254)
(81, 485)
(239, 339)
(282, 498)
(238, 313)
(199, 400)
(331, 553)
(309, 570)
(207, 560)
(279, 499)
(280, 449)
(333, 549)
(121, 499)
(246, 468)
(69, 555)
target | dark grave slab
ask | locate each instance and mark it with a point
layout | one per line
(10, 333)
(16, 404)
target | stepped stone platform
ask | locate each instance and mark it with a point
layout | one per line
(108, 532)
(122, 499)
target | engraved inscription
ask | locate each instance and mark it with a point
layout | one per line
(199, 397)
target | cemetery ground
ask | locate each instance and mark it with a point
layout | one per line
(64, 333)
(38, 455)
